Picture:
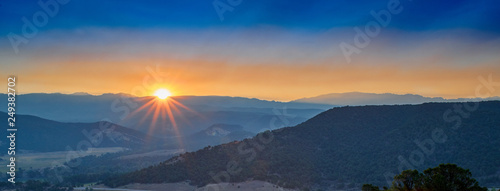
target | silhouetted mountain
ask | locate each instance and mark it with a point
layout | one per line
(358, 98)
(199, 111)
(348, 146)
(42, 135)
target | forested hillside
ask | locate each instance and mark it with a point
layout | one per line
(348, 145)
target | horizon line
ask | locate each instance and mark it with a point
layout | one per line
(187, 95)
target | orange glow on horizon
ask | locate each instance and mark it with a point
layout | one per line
(278, 82)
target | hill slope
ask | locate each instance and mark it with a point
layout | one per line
(348, 145)
(215, 135)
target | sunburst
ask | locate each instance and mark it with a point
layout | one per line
(162, 93)
(162, 106)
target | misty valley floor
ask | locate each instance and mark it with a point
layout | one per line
(243, 186)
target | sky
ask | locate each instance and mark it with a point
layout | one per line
(274, 50)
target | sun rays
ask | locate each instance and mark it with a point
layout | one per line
(161, 110)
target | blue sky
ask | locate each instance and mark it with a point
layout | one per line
(298, 14)
(264, 49)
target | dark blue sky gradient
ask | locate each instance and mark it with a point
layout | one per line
(418, 15)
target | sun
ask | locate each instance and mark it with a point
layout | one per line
(162, 93)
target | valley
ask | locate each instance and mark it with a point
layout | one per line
(368, 144)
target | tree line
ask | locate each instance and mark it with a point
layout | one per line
(445, 177)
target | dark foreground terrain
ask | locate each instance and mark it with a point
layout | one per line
(347, 146)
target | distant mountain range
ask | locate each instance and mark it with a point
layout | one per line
(359, 98)
(199, 112)
(252, 115)
(346, 147)
(35, 134)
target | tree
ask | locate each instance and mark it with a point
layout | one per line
(449, 177)
(445, 177)
(408, 180)
(369, 187)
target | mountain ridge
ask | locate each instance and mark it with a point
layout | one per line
(345, 145)
(362, 98)
(36, 134)
(135, 112)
